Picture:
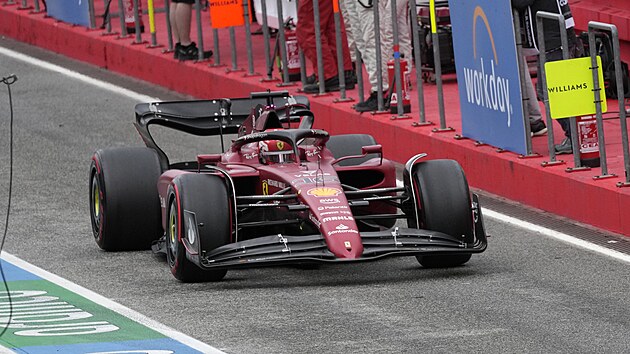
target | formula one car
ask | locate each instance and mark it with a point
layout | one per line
(282, 193)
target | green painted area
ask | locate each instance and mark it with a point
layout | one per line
(38, 318)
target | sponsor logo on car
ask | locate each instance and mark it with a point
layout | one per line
(336, 212)
(332, 207)
(314, 180)
(329, 201)
(338, 218)
(321, 192)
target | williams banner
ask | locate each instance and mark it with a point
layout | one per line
(487, 73)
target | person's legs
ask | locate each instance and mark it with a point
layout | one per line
(183, 16)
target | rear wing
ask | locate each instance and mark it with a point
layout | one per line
(206, 117)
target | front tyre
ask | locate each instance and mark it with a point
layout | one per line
(444, 205)
(124, 203)
(206, 198)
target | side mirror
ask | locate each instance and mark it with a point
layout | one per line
(372, 149)
(208, 159)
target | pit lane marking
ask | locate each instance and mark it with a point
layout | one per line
(129, 314)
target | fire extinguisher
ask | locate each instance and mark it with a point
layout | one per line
(130, 21)
(393, 99)
(588, 140)
(293, 52)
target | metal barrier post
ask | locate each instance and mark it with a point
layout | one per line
(318, 49)
(200, 56)
(235, 67)
(136, 20)
(169, 29)
(397, 77)
(217, 52)
(524, 92)
(92, 19)
(121, 15)
(359, 73)
(281, 37)
(266, 38)
(24, 5)
(340, 68)
(248, 41)
(38, 10)
(592, 26)
(542, 59)
(413, 14)
(379, 57)
(152, 25)
(438, 71)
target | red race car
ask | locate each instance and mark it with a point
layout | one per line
(281, 193)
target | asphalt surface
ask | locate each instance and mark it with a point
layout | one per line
(527, 293)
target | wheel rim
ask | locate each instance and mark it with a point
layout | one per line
(172, 235)
(95, 196)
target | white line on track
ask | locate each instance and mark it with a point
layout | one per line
(75, 75)
(114, 306)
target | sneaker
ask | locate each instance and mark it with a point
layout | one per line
(538, 128)
(371, 104)
(311, 79)
(564, 147)
(351, 78)
(191, 52)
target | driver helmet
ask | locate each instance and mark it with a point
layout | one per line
(275, 151)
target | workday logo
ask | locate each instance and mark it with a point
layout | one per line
(485, 85)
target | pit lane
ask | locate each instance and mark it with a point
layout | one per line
(526, 293)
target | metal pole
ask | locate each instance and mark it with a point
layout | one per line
(413, 14)
(152, 23)
(169, 29)
(248, 40)
(542, 59)
(217, 53)
(379, 58)
(233, 51)
(359, 72)
(38, 10)
(318, 48)
(398, 80)
(90, 12)
(283, 46)
(200, 54)
(121, 12)
(340, 67)
(136, 20)
(438, 69)
(266, 38)
(598, 98)
(524, 91)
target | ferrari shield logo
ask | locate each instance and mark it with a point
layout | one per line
(280, 145)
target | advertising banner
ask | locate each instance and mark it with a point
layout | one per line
(228, 13)
(487, 73)
(572, 95)
(75, 11)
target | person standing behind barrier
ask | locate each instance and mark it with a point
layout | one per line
(180, 18)
(366, 17)
(306, 40)
(553, 46)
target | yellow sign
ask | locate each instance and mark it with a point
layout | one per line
(570, 87)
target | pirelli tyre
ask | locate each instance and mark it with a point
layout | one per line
(350, 144)
(199, 214)
(444, 205)
(124, 203)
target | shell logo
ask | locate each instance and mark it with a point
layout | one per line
(324, 192)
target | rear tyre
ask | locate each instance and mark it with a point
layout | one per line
(206, 197)
(124, 203)
(444, 205)
(350, 144)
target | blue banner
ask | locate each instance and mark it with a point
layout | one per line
(70, 11)
(487, 73)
